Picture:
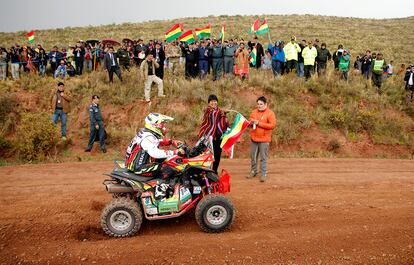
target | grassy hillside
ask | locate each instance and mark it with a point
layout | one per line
(322, 117)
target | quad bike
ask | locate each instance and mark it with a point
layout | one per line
(194, 185)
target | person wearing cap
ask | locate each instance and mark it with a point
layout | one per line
(263, 121)
(291, 50)
(60, 107)
(309, 55)
(203, 59)
(61, 70)
(322, 59)
(96, 125)
(378, 65)
(214, 124)
(216, 52)
(173, 54)
(228, 52)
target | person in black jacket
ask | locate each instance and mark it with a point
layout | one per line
(159, 57)
(323, 57)
(409, 82)
(111, 65)
(79, 54)
(366, 64)
(337, 56)
(42, 57)
(259, 51)
(191, 60)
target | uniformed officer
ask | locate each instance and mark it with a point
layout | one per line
(96, 125)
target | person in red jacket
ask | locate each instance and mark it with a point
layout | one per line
(263, 121)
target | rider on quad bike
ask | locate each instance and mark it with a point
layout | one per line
(143, 155)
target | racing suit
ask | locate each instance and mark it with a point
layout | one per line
(143, 156)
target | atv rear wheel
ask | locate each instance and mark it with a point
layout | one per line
(121, 217)
(215, 213)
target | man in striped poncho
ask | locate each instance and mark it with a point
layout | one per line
(214, 124)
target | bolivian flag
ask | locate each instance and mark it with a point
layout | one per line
(253, 56)
(263, 28)
(187, 37)
(203, 32)
(223, 31)
(230, 137)
(174, 32)
(254, 27)
(30, 36)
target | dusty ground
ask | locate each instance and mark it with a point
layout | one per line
(311, 211)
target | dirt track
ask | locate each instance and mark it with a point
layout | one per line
(311, 211)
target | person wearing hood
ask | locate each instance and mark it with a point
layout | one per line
(278, 57)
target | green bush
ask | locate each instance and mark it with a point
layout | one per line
(37, 137)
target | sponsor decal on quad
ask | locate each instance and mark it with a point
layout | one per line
(196, 189)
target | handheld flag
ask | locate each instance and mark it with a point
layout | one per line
(230, 137)
(203, 32)
(174, 32)
(30, 36)
(253, 56)
(187, 36)
(223, 31)
(254, 27)
(263, 28)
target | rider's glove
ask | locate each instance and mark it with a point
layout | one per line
(181, 152)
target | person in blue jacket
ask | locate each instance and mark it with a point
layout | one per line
(278, 57)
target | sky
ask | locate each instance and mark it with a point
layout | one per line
(26, 15)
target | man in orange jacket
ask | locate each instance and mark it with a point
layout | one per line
(263, 121)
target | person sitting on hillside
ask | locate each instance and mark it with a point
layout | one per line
(61, 70)
(70, 69)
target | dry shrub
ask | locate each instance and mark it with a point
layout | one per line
(38, 137)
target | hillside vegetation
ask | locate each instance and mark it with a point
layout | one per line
(321, 117)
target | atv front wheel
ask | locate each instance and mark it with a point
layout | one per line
(121, 217)
(215, 213)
